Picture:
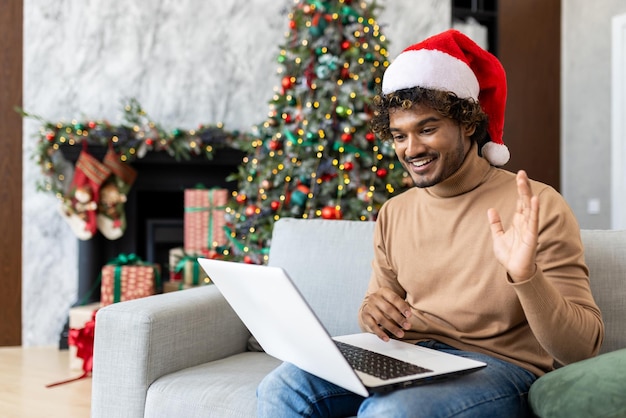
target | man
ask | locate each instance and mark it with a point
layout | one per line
(465, 262)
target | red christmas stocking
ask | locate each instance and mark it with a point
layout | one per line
(80, 204)
(111, 215)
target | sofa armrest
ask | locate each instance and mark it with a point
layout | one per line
(138, 341)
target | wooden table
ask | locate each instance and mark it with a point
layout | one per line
(24, 374)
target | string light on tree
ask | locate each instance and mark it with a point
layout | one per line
(315, 147)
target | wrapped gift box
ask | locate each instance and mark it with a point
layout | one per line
(79, 316)
(185, 268)
(127, 282)
(204, 219)
(175, 255)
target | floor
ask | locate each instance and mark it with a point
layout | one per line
(24, 374)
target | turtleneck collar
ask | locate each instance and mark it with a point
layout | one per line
(471, 174)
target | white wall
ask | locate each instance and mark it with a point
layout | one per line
(586, 107)
(187, 62)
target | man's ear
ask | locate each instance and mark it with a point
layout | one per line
(469, 129)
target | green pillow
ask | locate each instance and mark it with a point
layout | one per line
(595, 387)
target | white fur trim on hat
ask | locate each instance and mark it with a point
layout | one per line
(423, 68)
(496, 154)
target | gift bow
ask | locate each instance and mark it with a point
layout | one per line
(180, 267)
(126, 260)
(83, 339)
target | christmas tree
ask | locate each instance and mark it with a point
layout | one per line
(315, 156)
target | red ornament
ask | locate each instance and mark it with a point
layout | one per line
(275, 205)
(370, 137)
(91, 124)
(346, 137)
(331, 212)
(345, 45)
(248, 260)
(275, 145)
(286, 82)
(328, 176)
(251, 210)
(287, 117)
(348, 166)
(345, 73)
(381, 172)
(241, 198)
(292, 24)
(149, 141)
(50, 136)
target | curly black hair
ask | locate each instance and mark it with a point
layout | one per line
(466, 112)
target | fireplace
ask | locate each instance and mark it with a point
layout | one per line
(154, 210)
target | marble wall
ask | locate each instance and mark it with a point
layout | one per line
(186, 61)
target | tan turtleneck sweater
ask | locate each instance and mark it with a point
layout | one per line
(433, 247)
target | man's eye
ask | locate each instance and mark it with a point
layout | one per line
(398, 138)
(427, 131)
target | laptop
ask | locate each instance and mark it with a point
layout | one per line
(275, 312)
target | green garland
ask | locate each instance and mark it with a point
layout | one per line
(132, 139)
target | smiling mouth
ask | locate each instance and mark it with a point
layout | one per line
(421, 163)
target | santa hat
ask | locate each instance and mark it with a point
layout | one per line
(450, 61)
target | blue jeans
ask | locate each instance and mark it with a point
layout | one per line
(498, 390)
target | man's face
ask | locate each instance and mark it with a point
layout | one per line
(430, 147)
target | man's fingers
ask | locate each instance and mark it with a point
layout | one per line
(387, 313)
(523, 189)
(494, 222)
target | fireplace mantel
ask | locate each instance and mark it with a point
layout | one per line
(154, 209)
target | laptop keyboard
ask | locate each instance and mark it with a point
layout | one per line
(376, 364)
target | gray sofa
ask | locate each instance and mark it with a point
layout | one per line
(186, 354)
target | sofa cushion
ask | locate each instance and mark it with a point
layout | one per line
(330, 261)
(589, 388)
(605, 254)
(220, 388)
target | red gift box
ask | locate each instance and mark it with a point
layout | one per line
(204, 220)
(127, 280)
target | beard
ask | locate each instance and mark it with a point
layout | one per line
(449, 162)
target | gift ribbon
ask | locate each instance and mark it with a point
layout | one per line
(180, 267)
(128, 260)
(210, 208)
(83, 339)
